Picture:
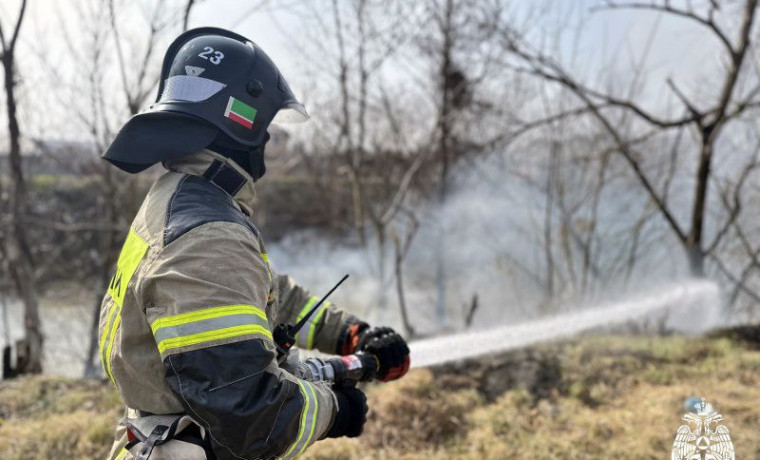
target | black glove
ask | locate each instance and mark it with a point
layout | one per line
(352, 413)
(390, 349)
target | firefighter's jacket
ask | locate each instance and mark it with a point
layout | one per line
(186, 324)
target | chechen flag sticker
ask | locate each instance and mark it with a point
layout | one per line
(240, 112)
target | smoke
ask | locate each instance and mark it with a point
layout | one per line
(488, 239)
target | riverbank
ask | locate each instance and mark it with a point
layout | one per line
(595, 397)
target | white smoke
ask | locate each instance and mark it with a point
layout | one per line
(488, 235)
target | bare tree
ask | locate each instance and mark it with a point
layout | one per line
(708, 123)
(381, 166)
(20, 263)
(397, 147)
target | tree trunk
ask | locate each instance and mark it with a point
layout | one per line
(19, 255)
(109, 246)
(383, 279)
(89, 364)
(696, 261)
(445, 134)
(409, 330)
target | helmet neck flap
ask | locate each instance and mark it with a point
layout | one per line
(251, 159)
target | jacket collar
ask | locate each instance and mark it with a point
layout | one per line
(198, 164)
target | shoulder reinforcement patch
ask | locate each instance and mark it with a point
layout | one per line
(195, 202)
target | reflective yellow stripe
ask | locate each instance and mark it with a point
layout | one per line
(302, 336)
(305, 337)
(106, 333)
(310, 303)
(265, 257)
(132, 253)
(115, 327)
(313, 324)
(123, 454)
(313, 417)
(210, 336)
(208, 313)
(208, 325)
(308, 421)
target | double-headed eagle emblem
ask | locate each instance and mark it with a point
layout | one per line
(702, 438)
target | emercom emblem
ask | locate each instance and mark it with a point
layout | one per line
(702, 437)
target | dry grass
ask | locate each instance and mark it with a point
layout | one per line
(52, 418)
(618, 397)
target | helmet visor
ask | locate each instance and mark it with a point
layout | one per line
(291, 112)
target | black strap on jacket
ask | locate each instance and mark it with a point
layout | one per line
(154, 439)
(225, 177)
(191, 435)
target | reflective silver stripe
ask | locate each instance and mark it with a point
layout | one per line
(206, 325)
(190, 88)
(308, 422)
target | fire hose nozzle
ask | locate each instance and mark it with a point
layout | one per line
(340, 371)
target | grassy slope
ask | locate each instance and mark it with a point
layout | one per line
(609, 397)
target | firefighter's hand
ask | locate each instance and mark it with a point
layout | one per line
(352, 413)
(390, 349)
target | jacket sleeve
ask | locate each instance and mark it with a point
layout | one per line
(204, 297)
(329, 330)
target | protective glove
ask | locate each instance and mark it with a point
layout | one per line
(390, 349)
(352, 413)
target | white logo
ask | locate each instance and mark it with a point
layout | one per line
(702, 438)
(194, 71)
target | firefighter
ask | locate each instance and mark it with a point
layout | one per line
(186, 324)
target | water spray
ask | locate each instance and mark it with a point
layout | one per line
(468, 345)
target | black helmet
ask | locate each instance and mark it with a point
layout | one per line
(214, 83)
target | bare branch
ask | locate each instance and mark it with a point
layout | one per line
(604, 99)
(737, 281)
(698, 116)
(17, 29)
(120, 54)
(670, 9)
(737, 58)
(733, 206)
(186, 15)
(9, 46)
(559, 75)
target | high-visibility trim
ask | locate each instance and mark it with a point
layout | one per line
(109, 349)
(123, 454)
(265, 258)
(211, 336)
(209, 325)
(307, 424)
(132, 253)
(110, 321)
(207, 313)
(311, 419)
(305, 337)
